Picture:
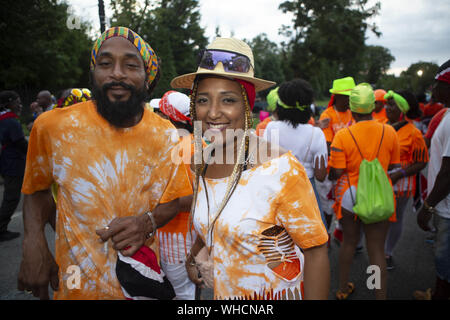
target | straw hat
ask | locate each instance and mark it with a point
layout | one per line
(228, 44)
(343, 86)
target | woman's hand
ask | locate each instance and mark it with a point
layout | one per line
(192, 270)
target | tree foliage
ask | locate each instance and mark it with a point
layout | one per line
(39, 51)
(418, 78)
(327, 39)
(171, 27)
(268, 62)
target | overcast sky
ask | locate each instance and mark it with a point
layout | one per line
(413, 30)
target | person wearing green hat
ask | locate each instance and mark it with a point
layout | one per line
(332, 119)
(271, 99)
(400, 109)
(366, 139)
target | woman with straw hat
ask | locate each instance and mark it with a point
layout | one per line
(253, 204)
(366, 139)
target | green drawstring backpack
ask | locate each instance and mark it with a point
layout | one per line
(374, 194)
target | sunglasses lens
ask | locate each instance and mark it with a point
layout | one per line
(232, 62)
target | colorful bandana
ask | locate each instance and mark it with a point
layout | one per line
(402, 104)
(75, 96)
(147, 53)
(444, 75)
(175, 105)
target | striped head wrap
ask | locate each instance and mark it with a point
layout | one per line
(146, 52)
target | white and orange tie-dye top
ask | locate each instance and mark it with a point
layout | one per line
(271, 213)
(102, 173)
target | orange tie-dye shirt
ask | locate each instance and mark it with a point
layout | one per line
(272, 211)
(102, 173)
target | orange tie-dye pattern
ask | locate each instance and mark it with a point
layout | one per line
(102, 173)
(256, 238)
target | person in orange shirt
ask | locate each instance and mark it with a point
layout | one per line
(339, 114)
(175, 238)
(400, 108)
(371, 139)
(379, 113)
(255, 210)
(116, 182)
(335, 117)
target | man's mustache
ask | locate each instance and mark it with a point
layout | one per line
(117, 84)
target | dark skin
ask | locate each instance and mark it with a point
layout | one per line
(375, 236)
(394, 114)
(379, 105)
(341, 104)
(38, 268)
(220, 101)
(441, 188)
(44, 99)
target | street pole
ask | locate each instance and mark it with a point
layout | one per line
(101, 13)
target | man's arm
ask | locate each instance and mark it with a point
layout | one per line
(128, 234)
(440, 190)
(38, 267)
(410, 170)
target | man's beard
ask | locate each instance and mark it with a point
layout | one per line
(119, 113)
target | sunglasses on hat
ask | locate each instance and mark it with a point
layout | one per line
(231, 61)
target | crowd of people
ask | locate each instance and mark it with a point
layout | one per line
(159, 199)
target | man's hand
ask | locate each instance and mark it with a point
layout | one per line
(37, 269)
(423, 218)
(324, 123)
(128, 234)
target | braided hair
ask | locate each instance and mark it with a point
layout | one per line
(200, 166)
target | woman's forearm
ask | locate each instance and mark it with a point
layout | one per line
(317, 273)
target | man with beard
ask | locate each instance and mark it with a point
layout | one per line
(111, 160)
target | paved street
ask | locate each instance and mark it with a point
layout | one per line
(413, 258)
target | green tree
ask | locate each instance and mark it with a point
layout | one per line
(420, 76)
(42, 48)
(267, 57)
(375, 63)
(327, 39)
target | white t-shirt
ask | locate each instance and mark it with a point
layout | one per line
(298, 140)
(440, 147)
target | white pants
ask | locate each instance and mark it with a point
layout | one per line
(178, 277)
